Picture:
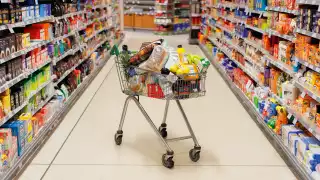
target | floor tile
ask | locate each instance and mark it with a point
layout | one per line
(100, 172)
(33, 172)
(50, 149)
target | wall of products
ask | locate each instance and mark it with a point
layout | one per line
(49, 51)
(269, 51)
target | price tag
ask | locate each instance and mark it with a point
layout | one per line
(260, 15)
(310, 130)
(318, 69)
(303, 94)
(289, 116)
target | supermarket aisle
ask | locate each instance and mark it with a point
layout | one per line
(83, 146)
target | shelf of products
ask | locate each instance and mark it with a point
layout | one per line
(164, 17)
(181, 21)
(268, 52)
(195, 20)
(46, 62)
(139, 14)
(278, 141)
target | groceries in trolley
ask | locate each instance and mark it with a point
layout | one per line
(160, 71)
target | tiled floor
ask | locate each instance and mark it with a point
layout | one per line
(83, 148)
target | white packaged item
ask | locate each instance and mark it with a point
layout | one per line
(289, 92)
(156, 60)
(286, 131)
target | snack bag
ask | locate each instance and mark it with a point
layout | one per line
(144, 53)
(156, 60)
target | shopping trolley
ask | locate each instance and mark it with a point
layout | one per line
(166, 87)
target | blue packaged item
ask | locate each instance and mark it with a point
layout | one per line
(49, 9)
(43, 10)
(61, 48)
(175, 27)
(18, 130)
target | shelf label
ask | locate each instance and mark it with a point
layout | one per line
(303, 94)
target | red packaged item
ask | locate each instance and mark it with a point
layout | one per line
(155, 91)
(35, 33)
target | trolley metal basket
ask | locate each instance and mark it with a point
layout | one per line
(160, 86)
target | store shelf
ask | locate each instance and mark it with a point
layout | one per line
(224, 29)
(97, 6)
(69, 52)
(72, 33)
(305, 63)
(42, 104)
(308, 90)
(12, 82)
(25, 23)
(18, 109)
(284, 10)
(261, 13)
(311, 127)
(308, 33)
(226, 52)
(49, 127)
(33, 46)
(80, 62)
(284, 36)
(38, 67)
(94, 34)
(255, 45)
(310, 2)
(255, 29)
(296, 167)
(285, 68)
(69, 15)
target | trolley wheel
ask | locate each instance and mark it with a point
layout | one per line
(118, 139)
(194, 155)
(163, 130)
(167, 161)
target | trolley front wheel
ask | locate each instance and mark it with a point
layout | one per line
(167, 161)
(163, 130)
(194, 155)
(118, 138)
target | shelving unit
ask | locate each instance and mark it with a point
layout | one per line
(164, 16)
(181, 17)
(139, 14)
(235, 44)
(82, 45)
(195, 20)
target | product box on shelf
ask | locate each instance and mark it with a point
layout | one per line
(18, 130)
